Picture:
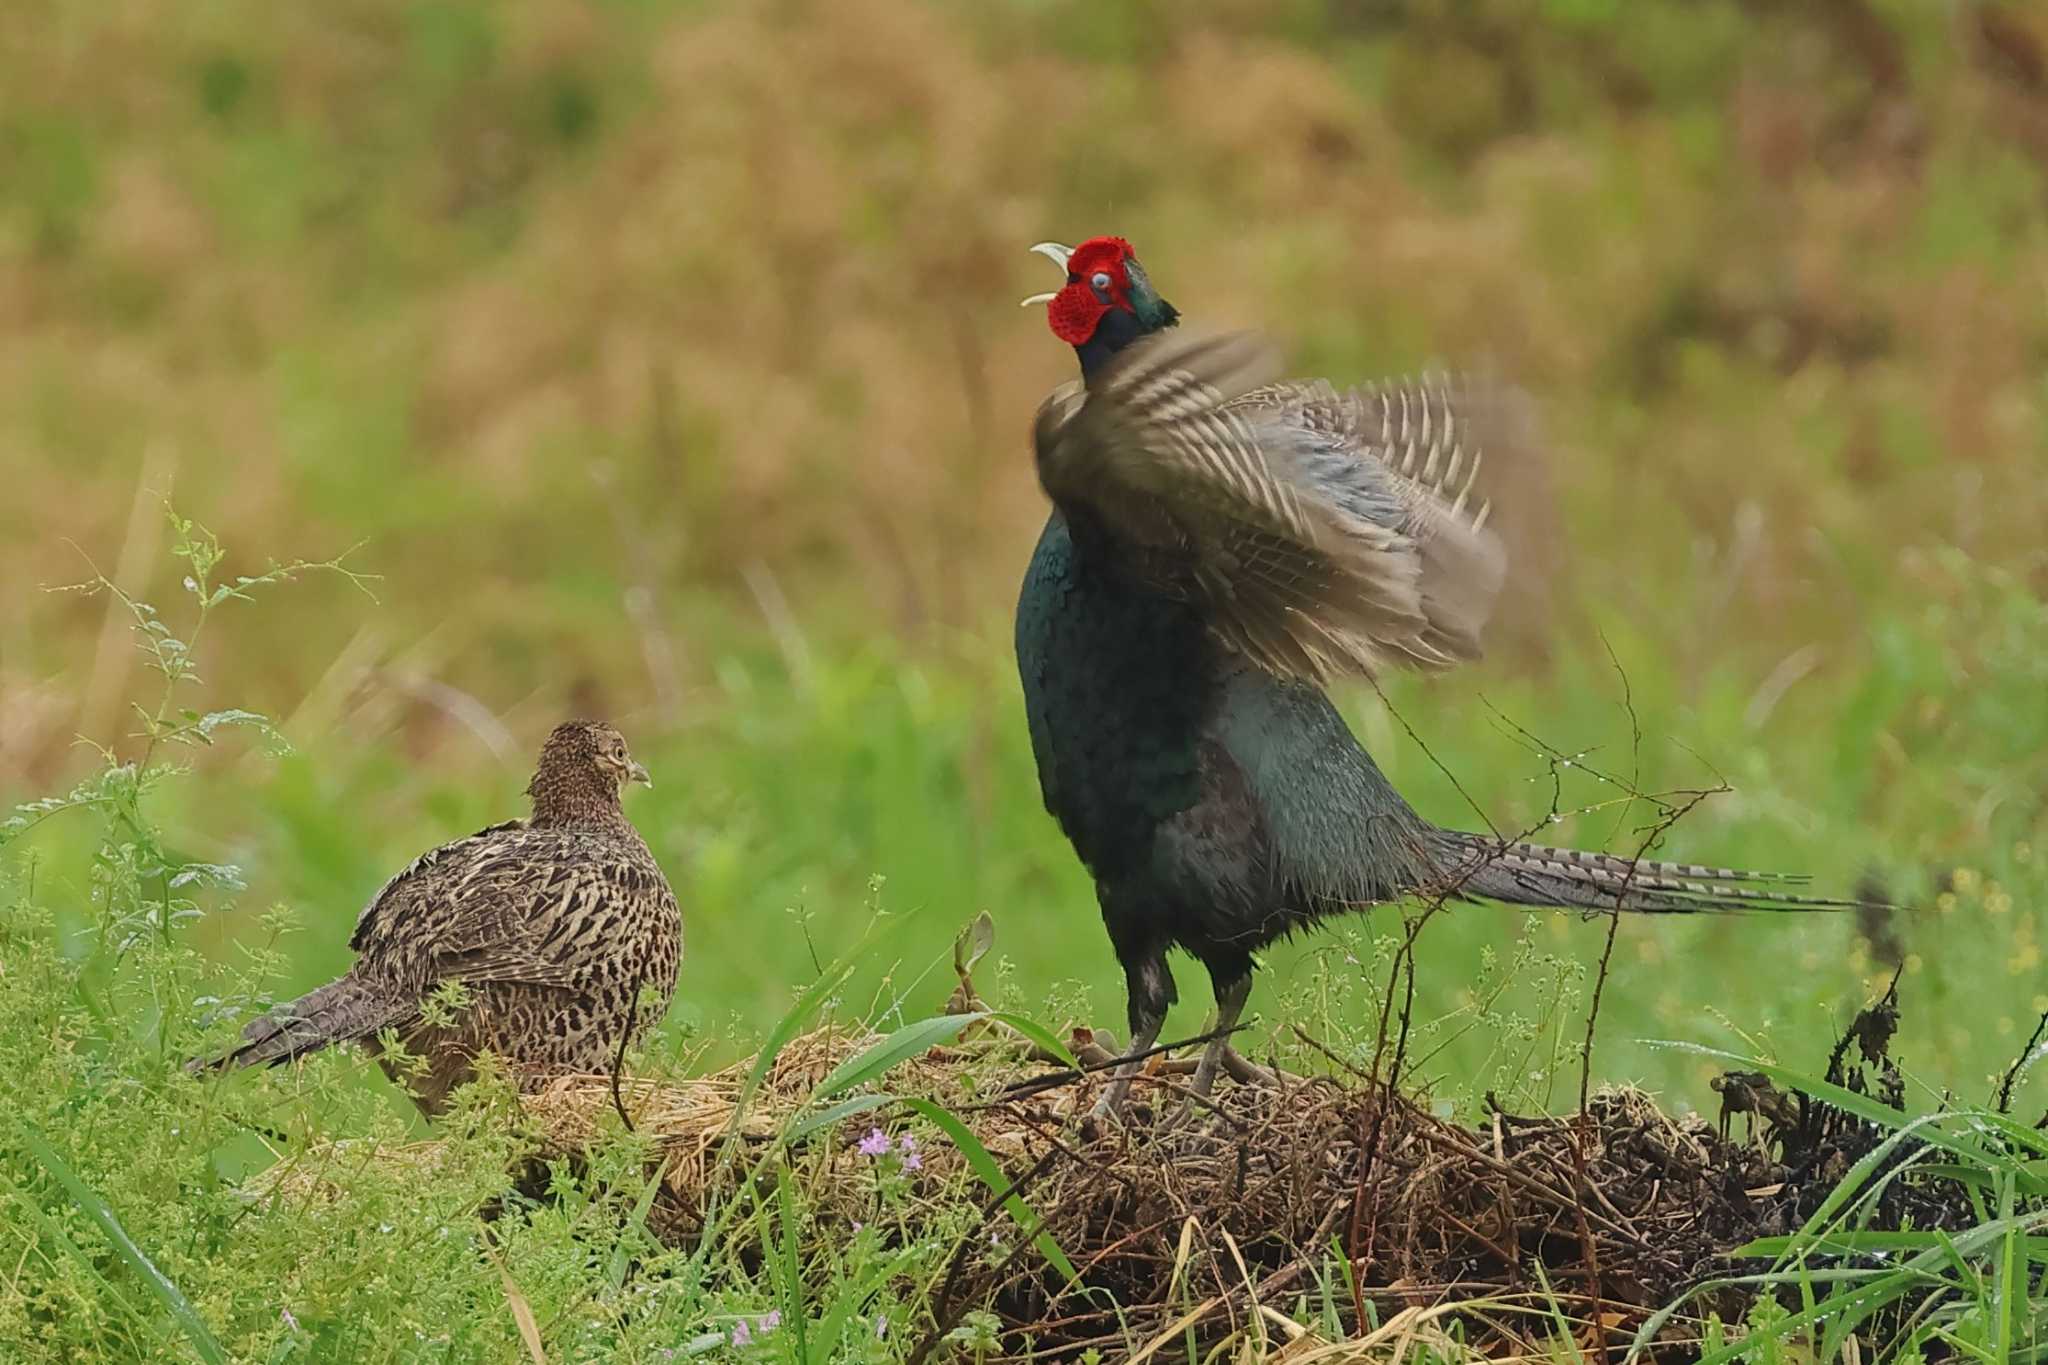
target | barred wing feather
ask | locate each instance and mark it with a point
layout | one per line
(1313, 551)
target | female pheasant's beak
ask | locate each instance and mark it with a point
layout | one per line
(637, 772)
(1059, 256)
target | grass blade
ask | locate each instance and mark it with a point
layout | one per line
(1848, 1101)
(991, 1173)
(1861, 1106)
(2002, 1302)
(793, 1308)
(1039, 1034)
(855, 1295)
(924, 1034)
(636, 1226)
(1861, 1242)
(900, 1046)
(173, 1299)
(791, 1024)
(831, 1114)
(522, 1308)
(1851, 1186)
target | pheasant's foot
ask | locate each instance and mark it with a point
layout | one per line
(1247, 1072)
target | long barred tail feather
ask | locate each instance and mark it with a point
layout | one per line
(339, 1012)
(1478, 867)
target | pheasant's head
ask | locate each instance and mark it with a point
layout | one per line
(1107, 302)
(583, 767)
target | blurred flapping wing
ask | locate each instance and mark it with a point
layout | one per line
(1323, 532)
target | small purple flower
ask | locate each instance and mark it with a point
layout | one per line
(740, 1335)
(908, 1142)
(285, 1316)
(881, 1326)
(911, 1161)
(876, 1143)
(768, 1321)
(857, 1226)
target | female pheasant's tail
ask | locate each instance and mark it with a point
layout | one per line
(1482, 868)
(339, 1012)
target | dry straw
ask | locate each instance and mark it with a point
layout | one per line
(1217, 1220)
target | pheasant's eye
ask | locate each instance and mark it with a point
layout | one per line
(1100, 281)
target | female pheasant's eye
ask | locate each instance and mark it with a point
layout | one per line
(1100, 281)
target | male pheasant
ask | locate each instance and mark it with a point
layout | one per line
(1222, 545)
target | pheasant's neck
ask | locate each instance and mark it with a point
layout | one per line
(1116, 330)
(563, 802)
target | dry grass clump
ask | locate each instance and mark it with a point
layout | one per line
(691, 1122)
(1218, 1217)
(1331, 1218)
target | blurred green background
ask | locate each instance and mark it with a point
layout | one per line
(665, 359)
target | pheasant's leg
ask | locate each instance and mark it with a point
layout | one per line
(1111, 1105)
(1150, 988)
(1232, 989)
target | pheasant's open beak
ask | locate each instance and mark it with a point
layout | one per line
(637, 772)
(1059, 256)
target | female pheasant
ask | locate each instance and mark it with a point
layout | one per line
(1222, 545)
(560, 927)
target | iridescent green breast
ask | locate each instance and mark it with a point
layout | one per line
(1118, 682)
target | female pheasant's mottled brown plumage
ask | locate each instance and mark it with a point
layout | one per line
(561, 928)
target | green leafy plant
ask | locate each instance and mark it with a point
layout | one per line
(1977, 1292)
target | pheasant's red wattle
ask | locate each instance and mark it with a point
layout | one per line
(1073, 313)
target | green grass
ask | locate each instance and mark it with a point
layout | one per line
(829, 830)
(783, 796)
(1973, 1293)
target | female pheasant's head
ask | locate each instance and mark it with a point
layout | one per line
(1107, 302)
(583, 766)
